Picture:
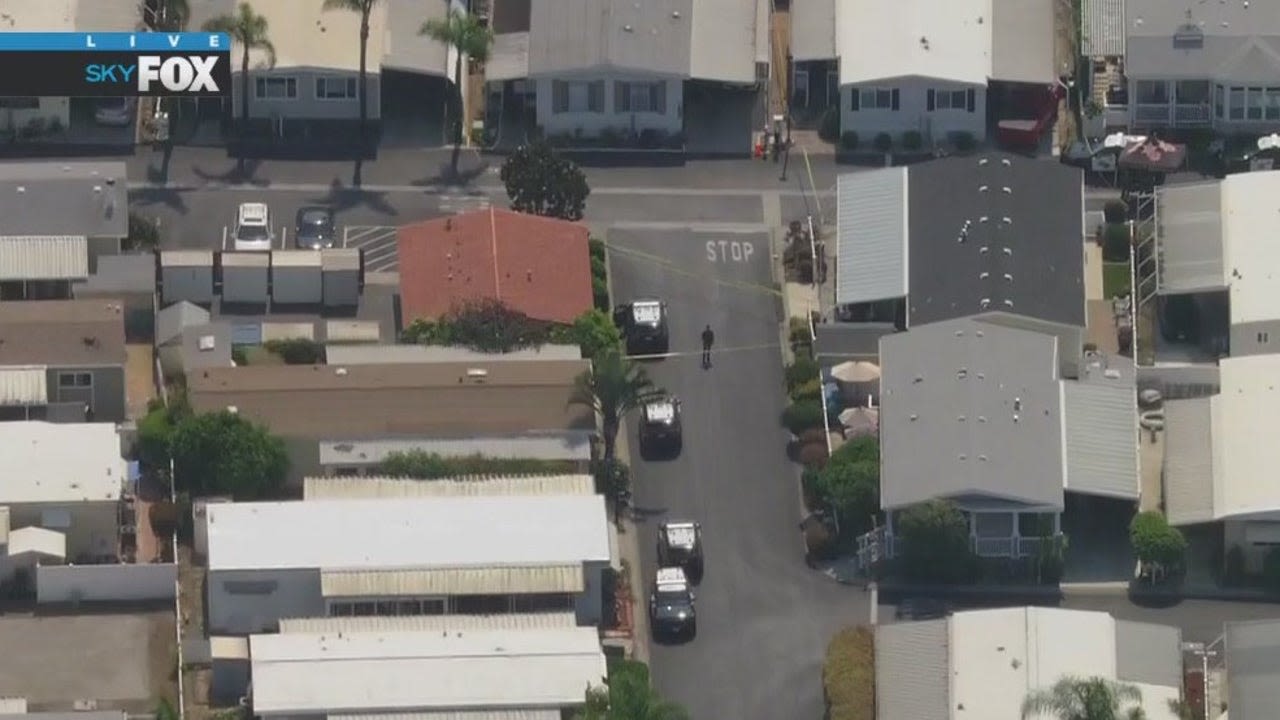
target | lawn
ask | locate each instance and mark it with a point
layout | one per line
(1115, 279)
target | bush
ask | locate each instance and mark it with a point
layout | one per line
(798, 331)
(297, 351)
(801, 416)
(812, 435)
(912, 140)
(239, 356)
(1115, 242)
(963, 141)
(814, 455)
(1155, 541)
(884, 142)
(859, 449)
(599, 275)
(800, 371)
(144, 233)
(849, 675)
(809, 390)
(1115, 211)
(1233, 566)
(849, 140)
(829, 125)
(422, 465)
(935, 543)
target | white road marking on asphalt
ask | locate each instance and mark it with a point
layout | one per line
(726, 250)
(487, 189)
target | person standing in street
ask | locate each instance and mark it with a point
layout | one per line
(708, 338)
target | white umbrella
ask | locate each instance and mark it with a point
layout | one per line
(858, 371)
(860, 420)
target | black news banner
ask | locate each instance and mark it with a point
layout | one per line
(191, 64)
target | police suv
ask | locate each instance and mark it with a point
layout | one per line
(671, 612)
(680, 545)
(660, 426)
(643, 323)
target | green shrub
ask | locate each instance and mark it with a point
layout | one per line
(1115, 242)
(800, 371)
(422, 465)
(884, 142)
(1115, 211)
(849, 675)
(808, 390)
(963, 141)
(912, 140)
(860, 449)
(814, 455)
(239, 356)
(812, 435)
(849, 140)
(801, 416)
(296, 351)
(829, 125)
(1155, 541)
(798, 332)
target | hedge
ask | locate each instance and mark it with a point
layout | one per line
(849, 675)
(801, 416)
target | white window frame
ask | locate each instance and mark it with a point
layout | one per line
(869, 97)
(579, 93)
(325, 82)
(74, 385)
(951, 100)
(262, 85)
(1236, 110)
(641, 100)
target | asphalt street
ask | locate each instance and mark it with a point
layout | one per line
(764, 618)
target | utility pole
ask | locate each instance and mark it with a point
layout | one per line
(1204, 653)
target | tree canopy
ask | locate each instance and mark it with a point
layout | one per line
(935, 545)
(540, 182)
(629, 695)
(1155, 541)
(1094, 698)
(422, 465)
(850, 484)
(225, 454)
(615, 387)
(490, 326)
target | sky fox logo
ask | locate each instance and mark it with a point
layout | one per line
(177, 74)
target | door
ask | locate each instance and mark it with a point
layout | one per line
(800, 88)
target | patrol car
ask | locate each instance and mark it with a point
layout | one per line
(680, 545)
(643, 323)
(660, 426)
(671, 612)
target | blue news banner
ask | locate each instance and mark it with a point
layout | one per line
(149, 64)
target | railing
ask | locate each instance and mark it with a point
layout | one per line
(993, 546)
(1030, 546)
(1199, 114)
(1173, 114)
(989, 547)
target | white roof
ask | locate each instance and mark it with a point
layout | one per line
(945, 40)
(409, 533)
(317, 488)
(305, 35)
(1243, 466)
(1250, 227)
(71, 15)
(430, 623)
(316, 673)
(24, 385)
(647, 312)
(60, 462)
(44, 258)
(682, 534)
(253, 212)
(999, 656)
(661, 410)
(38, 541)
(671, 579)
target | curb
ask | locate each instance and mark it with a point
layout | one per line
(1134, 593)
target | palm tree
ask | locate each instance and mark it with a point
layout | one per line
(469, 37)
(1095, 698)
(629, 696)
(168, 15)
(364, 8)
(615, 387)
(250, 30)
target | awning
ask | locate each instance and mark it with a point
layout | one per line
(38, 541)
(44, 258)
(23, 386)
(453, 581)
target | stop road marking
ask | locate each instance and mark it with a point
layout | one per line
(726, 250)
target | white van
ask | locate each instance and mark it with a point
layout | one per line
(253, 228)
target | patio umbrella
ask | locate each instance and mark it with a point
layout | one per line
(858, 371)
(860, 421)
(1153, 155)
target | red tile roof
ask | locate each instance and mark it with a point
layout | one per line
(539, 266)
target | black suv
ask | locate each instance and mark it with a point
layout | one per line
(660, 429)
(671, 611)
(315, 228)
(680, 545)
(643, 323)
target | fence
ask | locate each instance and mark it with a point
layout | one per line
(106, 583)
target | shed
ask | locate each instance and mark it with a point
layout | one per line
(288, 331)
(229, 663)
(186, 275)
(295, 277)
(244, 277)
(172, 320)
(352, 332)
(343, 276)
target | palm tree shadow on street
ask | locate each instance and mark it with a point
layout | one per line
(473, 40)
(250, 30)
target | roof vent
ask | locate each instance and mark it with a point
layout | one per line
(1189, 35)
(962, 374)
(984, 275)
(675, 14)
(983, 219)
(913, 417)
(1008, 277)
(984, 303)
(983, 188)
(233, 409)
(97, 189)
(984, 250)
(340, 372)
(206, 343)
(1006, 190)
(1005, 162)
(21, 189)
(983, 458)
(1017, 404)
(628, 28)
(982, 162)
(1008, 302)
(477, 373)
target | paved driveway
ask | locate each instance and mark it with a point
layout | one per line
(764, 617)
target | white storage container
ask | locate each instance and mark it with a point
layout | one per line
(244, 277)
(352, 332)
(288, 331)
(186, 275)
(343, 271)
(295, 277)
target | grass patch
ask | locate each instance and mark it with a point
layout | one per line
(849, 675)
(1115, 279)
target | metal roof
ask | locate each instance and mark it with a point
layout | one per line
(24, 385)
(1253, 668)
(186, 258)
(1100, 421)
(56, 198)
(37, 541)
(62, 333)
(407, 49)
(288, 331)
(1243, 466)
(1022, 41)
(724, 46)
(653, 37)
(569, 445)
(1190, 236)
(1188, 460)
(295, 259)
(206, 346)
(1241, 41)
(813, 30)
(38, 468)
(1103, 33)
(453, 581)
(350, 331)
(413, 533)
(871, 235)
(509, 57)
(171, 321)
(401, 354)
(44, 258)
(1250, 225)
(913, 671)
(316, 488)
(1143, 653)
(429, 623)
(878, 40)
(326, 673)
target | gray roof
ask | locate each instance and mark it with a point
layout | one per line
(970, 407)
(82, 715)
(1241, 40)
(509, 57)
(724, 45)
(1028, 215)
(1022, 40)
(89, 199)
(568, 445)
(404, 48)
(913, 669)
(1190, 237)
(122, 274)
(1188, 460)
(838, 342)
(195, 357)
(813, 30)
(1103, 31)
(1101, 424)
(653, 37)
(1148, 654)
(397, 354)
(871, 235)
(1253, 668)
(171, 321)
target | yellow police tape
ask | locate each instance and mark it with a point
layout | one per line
(698, 353)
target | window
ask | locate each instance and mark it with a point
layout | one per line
(1153, 92)
(1257, 104)
(949, 100)
(1219, 101)
(1264, 337)
(1235, 107)
(800, 88)
(387, 607)
(637, 97)
(1192, 92)
(577, 96)
(276, 88)
(336, 88)
(875, 99)
(75, 380)
(542, 602)
(482, 604)
(1273, 103)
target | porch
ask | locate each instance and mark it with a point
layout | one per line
(998, 534)
(1172, 103)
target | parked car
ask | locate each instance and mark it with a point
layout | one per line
(253, 228)
(115, 112)
(680, 545)
(644, 326)
(660, 429)
(671, 610)
(315, 229)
